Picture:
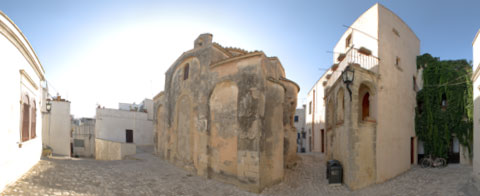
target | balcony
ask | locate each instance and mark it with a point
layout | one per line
(353, 56)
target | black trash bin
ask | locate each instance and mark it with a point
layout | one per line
(329, 165)
(335, 174)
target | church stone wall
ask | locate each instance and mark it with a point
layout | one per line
(227, 114)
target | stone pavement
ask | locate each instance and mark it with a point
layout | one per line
(146, 174)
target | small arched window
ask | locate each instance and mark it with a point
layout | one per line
(366, 106)
(185, 71)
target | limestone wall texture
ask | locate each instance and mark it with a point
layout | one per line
(109, 150)
(227, 114)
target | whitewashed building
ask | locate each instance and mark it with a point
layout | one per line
(57, 127)
(129, 124)
(21, 77)
(476, 102)
(315, 116)
(83, 137)
(299, 122)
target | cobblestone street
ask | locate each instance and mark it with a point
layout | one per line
(146, 174)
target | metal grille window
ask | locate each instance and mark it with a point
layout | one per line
(79, 143)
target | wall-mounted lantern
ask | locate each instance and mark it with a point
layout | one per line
(49, 106)
(348, 75)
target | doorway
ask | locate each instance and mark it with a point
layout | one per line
(323, 140)
(129, 135)
(412, 150)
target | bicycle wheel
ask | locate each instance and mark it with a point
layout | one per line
(425, 163)
(443, 163)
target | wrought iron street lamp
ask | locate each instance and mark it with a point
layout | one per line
(348, 75)
(49, 106)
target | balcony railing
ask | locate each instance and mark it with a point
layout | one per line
(352, 56)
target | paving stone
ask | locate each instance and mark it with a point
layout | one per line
(150, 175)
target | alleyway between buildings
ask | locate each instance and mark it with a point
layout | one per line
(146, 174)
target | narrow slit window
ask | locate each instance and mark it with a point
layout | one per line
(185, 71)
(348, 41)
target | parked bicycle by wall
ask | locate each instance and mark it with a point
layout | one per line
(430, 161)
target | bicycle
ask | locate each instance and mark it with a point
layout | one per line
(429, 161)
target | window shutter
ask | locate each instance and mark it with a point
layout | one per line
(25, 122)
(33, 133)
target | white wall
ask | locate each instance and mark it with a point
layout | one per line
(111, 124)
(364, 33)
(317, 115)
(476, 51)
(16, 157)
(476, 107)
(57, 128)
(396, 97)
(300, 126)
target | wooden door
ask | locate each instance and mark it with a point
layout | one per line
(412, 150)
(323, 141)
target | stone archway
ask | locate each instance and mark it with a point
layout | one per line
(223, 129)
(184, 130)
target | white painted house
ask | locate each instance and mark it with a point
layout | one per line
(299, 122)
(128, 124)
(315, 116)
(21, 78)
(476, 107)
(57, 128)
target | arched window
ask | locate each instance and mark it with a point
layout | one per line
(25, 119)
(366, 106)
(33, 133)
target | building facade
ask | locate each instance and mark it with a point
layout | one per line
(23, 79)
(130, 124)
(370, 122)
(299, 122)
(83, 137)
(57, 127)
(228, 114)
(476, 107)
(315, 116)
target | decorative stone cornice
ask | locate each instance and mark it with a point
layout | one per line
(11, 31)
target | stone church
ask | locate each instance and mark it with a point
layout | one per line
(227, 114)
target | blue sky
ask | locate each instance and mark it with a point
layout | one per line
(105, 52)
